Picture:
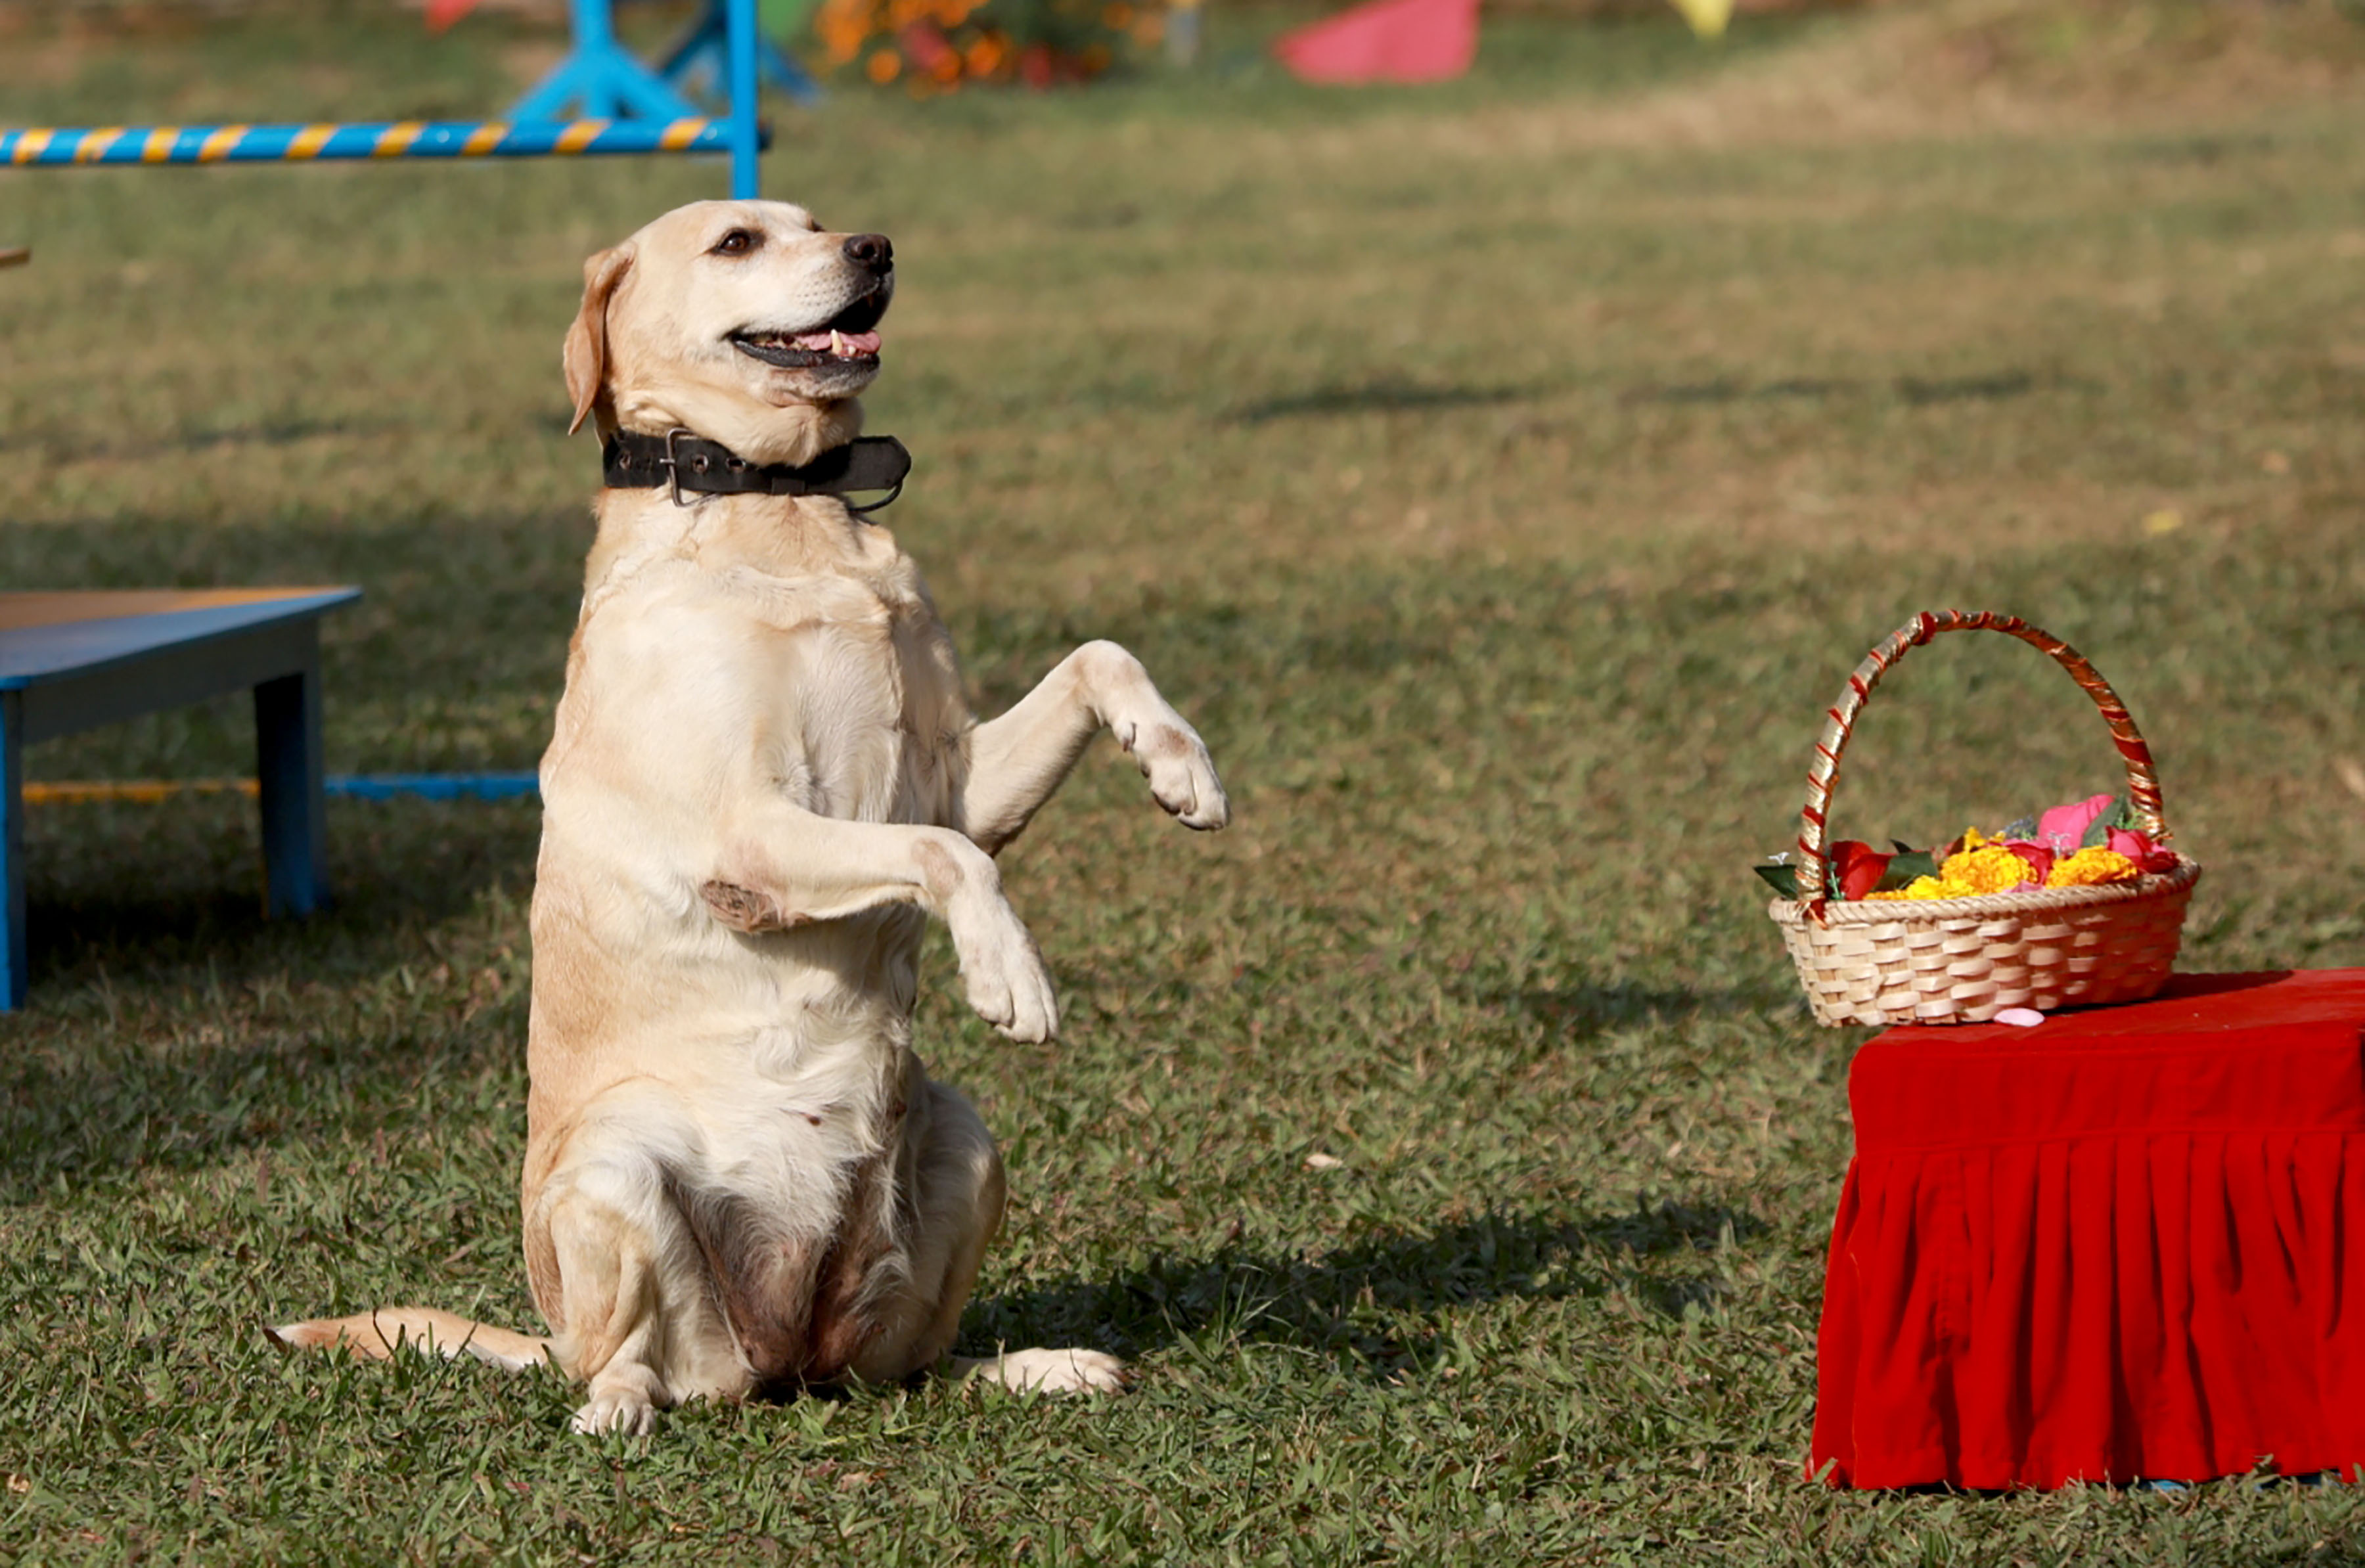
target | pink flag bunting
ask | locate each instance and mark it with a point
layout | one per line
(1385, 40)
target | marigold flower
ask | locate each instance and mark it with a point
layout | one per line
(1988, 868)
(2092, 867)
(1919, 888)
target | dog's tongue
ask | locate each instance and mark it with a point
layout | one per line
(837, 342)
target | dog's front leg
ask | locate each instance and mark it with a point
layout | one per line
(1018, 761)
(786, 867)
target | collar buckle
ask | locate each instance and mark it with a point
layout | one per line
(671, 462)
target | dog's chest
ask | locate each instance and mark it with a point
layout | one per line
(858, 690)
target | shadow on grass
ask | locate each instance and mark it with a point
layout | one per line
(1353, 1305)
(170, 1025)
(1373, 397)
(1583, 1009)
(1914, 391)
(159, 892)
(2203, 149)
(59, 448)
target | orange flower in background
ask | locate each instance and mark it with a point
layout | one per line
(985, 54)
(932, 46)
(924, 45)
(841, 28)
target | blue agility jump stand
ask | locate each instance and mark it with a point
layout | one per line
(601, 79)
(628, 108)
(604, 80)
(704, 53)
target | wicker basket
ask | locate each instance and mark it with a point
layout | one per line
(1964, 960)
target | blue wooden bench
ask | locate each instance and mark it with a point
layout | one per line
(73, 661)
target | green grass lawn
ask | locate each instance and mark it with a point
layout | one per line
(1503, 476)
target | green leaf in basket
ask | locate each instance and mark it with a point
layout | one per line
(2119, 813)
(1783, 879)
(1904, 867)
(2021, 827)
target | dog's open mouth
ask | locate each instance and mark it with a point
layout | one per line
(850, 337)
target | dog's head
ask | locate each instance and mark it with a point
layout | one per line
(742, 322)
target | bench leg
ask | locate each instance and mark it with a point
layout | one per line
(287, 766)
(12, 851)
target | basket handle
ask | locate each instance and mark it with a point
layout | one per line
(2143, 783)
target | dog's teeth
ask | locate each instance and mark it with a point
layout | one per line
(837, 342)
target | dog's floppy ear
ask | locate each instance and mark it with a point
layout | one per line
(586, 357)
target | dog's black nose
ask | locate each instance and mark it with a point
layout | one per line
(870, 250)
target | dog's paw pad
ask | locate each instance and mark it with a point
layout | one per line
(1183, 778)
(1004, 972)
(1055, 1372)
(627, 1413)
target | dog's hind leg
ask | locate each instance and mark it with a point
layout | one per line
(956, 1196)
(1018, 761)
(614, 1271)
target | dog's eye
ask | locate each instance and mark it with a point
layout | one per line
(738, 243)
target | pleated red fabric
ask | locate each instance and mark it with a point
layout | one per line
(2121, 1245)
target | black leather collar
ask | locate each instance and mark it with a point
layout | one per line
(693, 465)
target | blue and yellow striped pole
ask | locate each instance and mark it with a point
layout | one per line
(355, 787)
(401, 139)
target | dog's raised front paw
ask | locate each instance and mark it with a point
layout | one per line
(1004, 972)
(1182, 775)
(1047, 1372)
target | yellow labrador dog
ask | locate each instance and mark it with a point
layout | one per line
(738, 1177)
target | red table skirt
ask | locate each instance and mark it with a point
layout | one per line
(2123, 1244)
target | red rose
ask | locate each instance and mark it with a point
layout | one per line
(2039, 858)
(1859, 867)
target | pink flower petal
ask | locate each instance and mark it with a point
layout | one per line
(2064, 827)
(2139, 848)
